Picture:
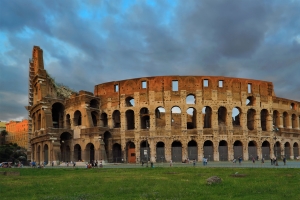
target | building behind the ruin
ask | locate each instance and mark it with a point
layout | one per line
(17, 133)
(159, 118)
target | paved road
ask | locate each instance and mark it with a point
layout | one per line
(228, 164)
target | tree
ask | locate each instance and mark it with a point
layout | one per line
(3, 134)
(12, 152)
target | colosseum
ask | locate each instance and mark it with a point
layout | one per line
(159, 119)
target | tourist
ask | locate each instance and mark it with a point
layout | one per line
(194, 162)
(284, 160)
(262, 160)
(253, 160)
(171, 163)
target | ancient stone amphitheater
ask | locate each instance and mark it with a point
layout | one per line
(159, 119)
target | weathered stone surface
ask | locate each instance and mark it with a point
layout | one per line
(213, 180)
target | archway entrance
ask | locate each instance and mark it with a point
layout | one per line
(208, 150)
(176, 151)
(296, 150)
(117, 153)
(90, 152)
(131, 157)
(265, 149)
(237, 149)
(77, 153)
(192, 150)
(277, 150)
(223, 151)
(144, 151)
(46, 154)
(160, 152)
(252, 150)
(287, 150)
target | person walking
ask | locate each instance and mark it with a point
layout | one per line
(284, 160)
(171, 163)
(194, 162)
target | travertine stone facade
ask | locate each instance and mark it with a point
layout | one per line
(160, 119)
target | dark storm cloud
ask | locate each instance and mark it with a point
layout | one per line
(90, 42)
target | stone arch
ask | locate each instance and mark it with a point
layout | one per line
(130, 152)
(252, 150)
(251, 119)
(223, 150)
(39, 121)
(277, 150)
(160, 117)
(117, 153)
(208, 150)
(144, 118)
(237, 149)
(193, 150)
(296, 150)
(191, 118)
(65, 142)
(68, 121)
(207, 116)
(287, 150)
(95, 118)
(285, 119)
(90, 152)
(276, 118)
(39, 154)
(94, 103)
(77, 118)
(236, 116)
(190, 99)
(145, 151)
(265, 149)
(264, 119)
(250, 101)
(107, 139)
(176, 117)
(222, 114)
(116, 116)
(130, 119)
(58, 110)
(103, 119)
(77, 153)
(160, 152)
(176, 151)
(129, 101)
(46, 154)
(294, 121)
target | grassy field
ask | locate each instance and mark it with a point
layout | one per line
(150, 183)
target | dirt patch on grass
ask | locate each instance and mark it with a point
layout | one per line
(238, 175)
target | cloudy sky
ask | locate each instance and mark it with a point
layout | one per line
(90, 42)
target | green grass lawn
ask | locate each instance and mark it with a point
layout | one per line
(150, 183)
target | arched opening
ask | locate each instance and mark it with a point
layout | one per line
(292, 106)
(277, 150)
(129, 101)
(130, 119)
(237, 149)
(46, 154)
(250, 101)
(95, 118)
(90, 152)
(208, 150)
(236, 115)
(117, 153)
(77, 153)
(191, 118)
(116, 119)
(276, 118)
(131, 157)
(192, 150)
(223, 150)
(144, 151)
(39, 154)
(160, 117)
(94, 104)
(65, 142)
(251, 119)
(207, 113)
(294, 121)
(39, 123)
(296, 150)
(287, 150)
(176, 118)
(160, 152)
(265, 149)
(58, 115)
(176, 151)
(190, 99)
(103, 120)
(108, 147)
(252, 150)
(145, 119)
(263, 119)
(222, 113)
(77, 118)
(68, 121)
(285, 120)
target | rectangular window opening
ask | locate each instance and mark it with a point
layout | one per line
(175, 85)
(249, 88)
(220, 83)
(116, 88)
(205, 83)
(144, 84)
